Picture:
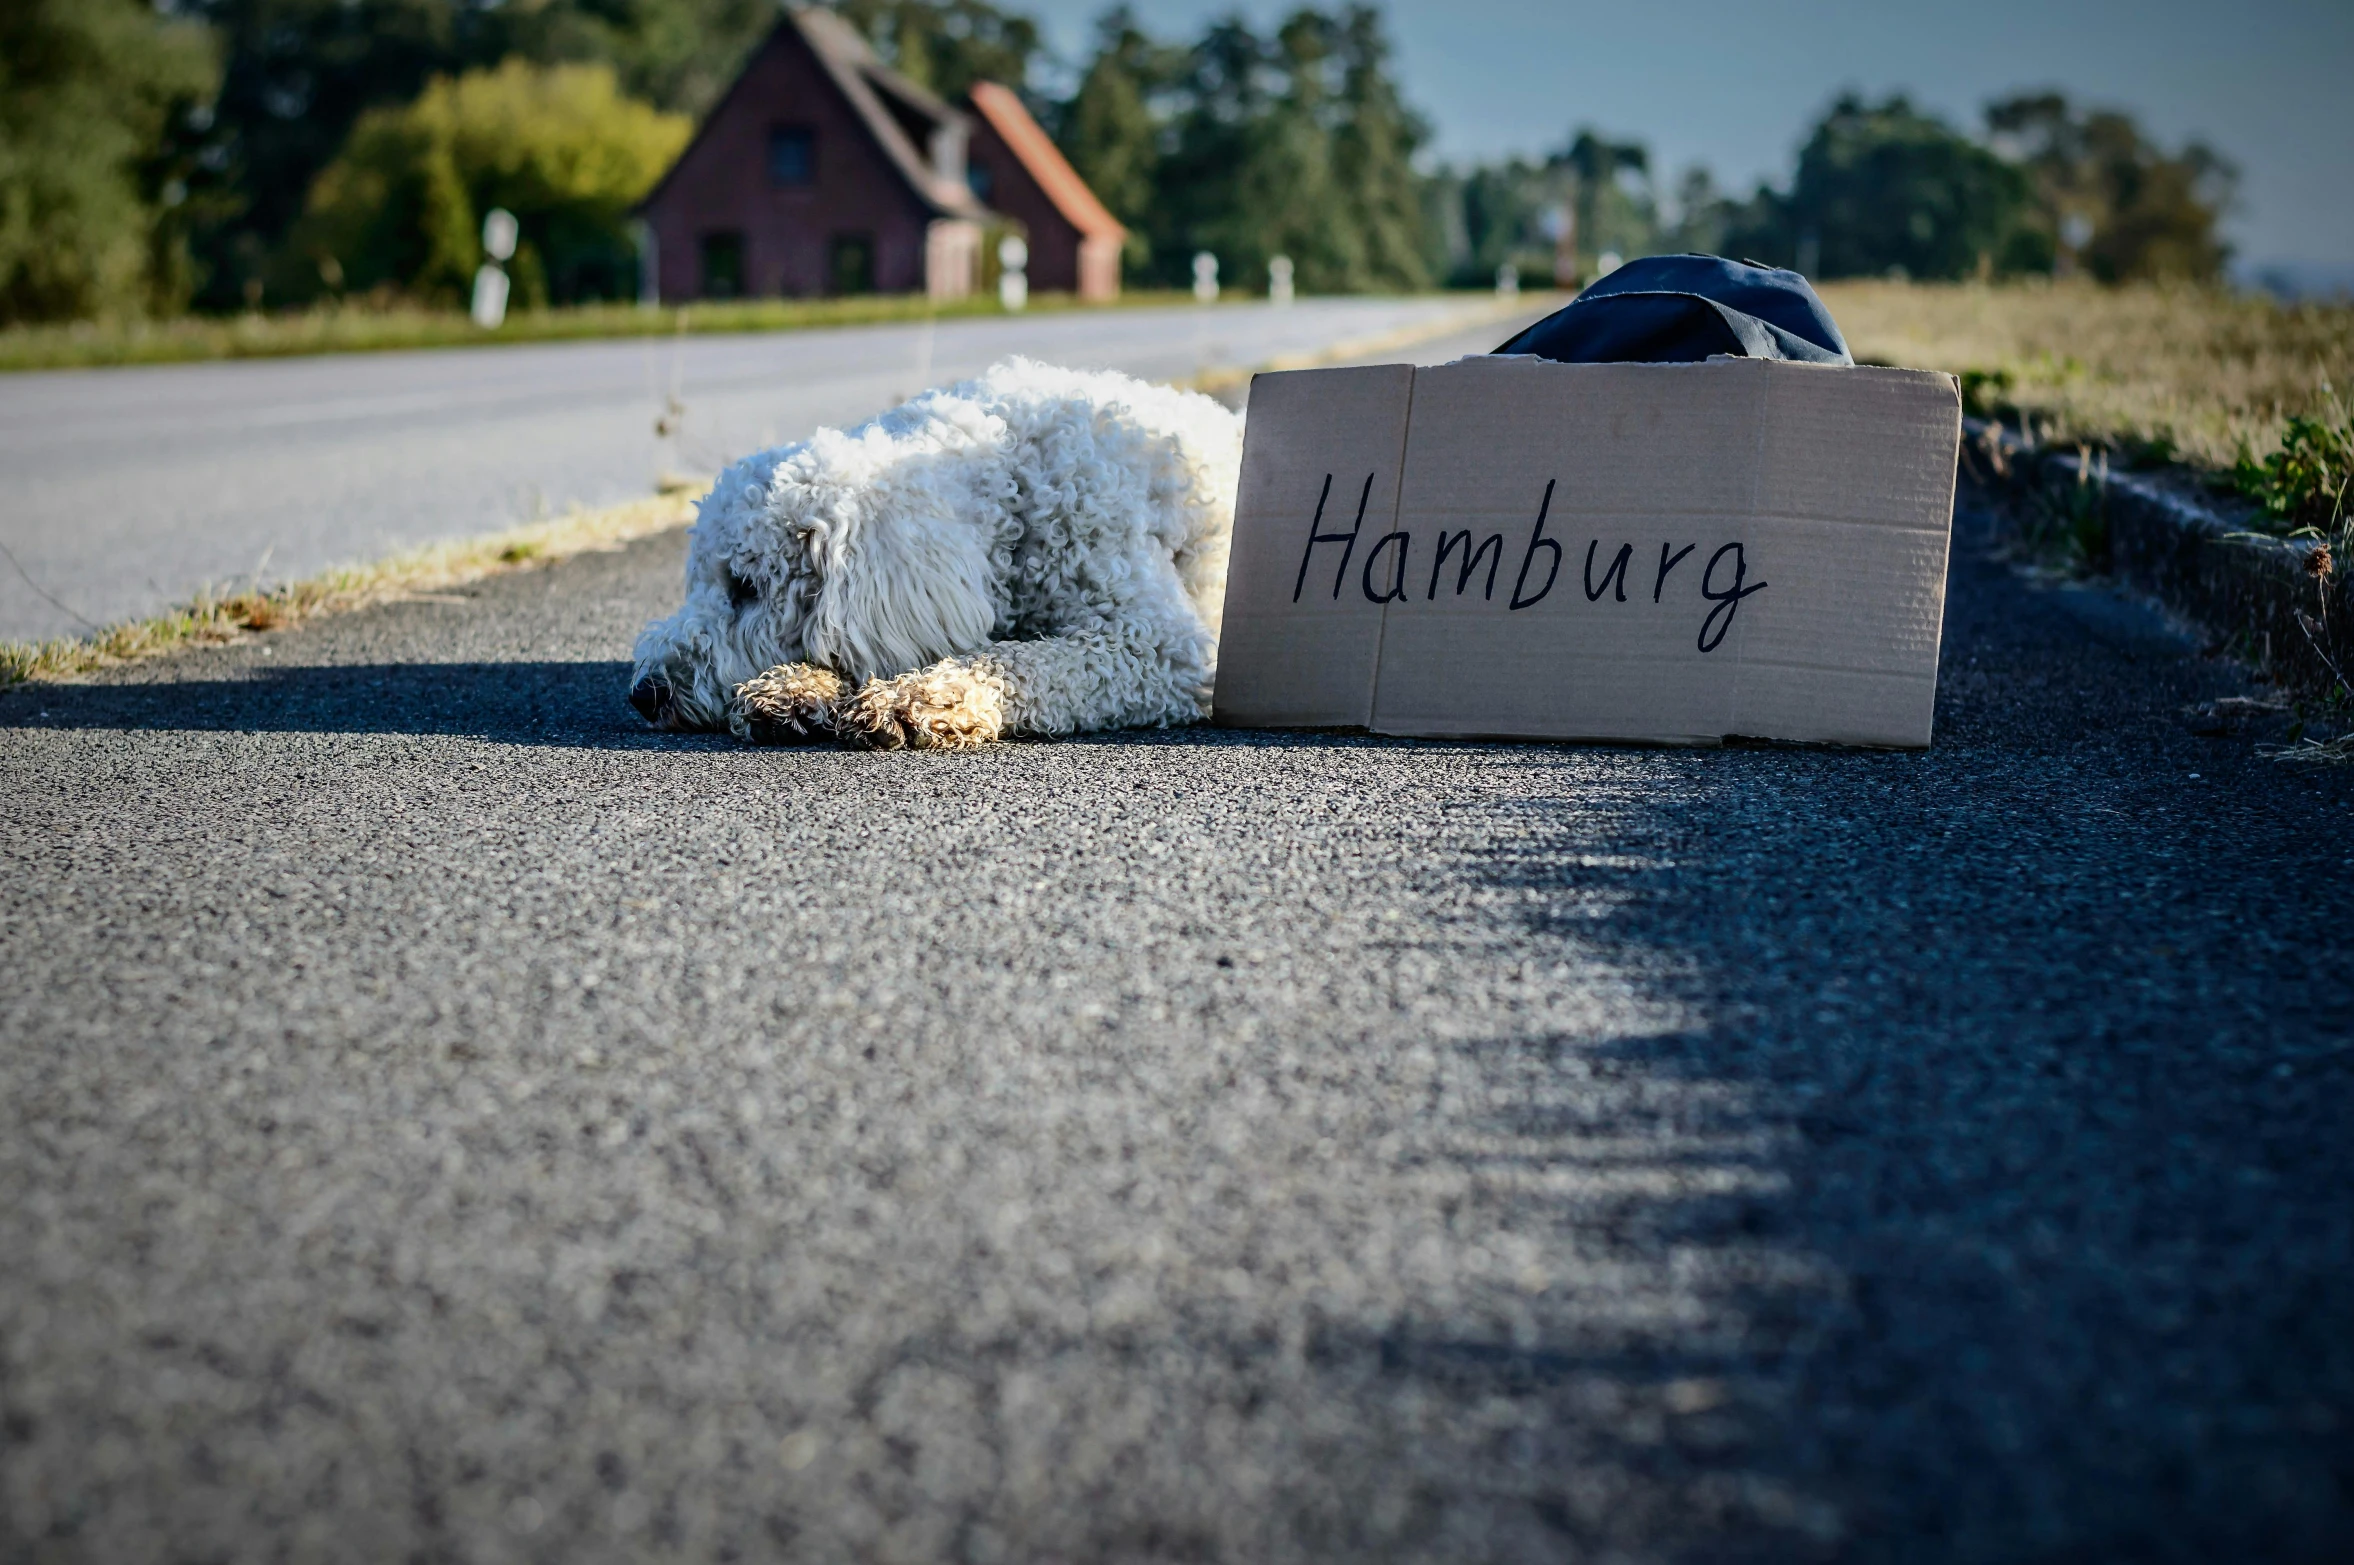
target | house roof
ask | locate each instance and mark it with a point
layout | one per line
(865, 82)
(1045, 162)
(864, 78)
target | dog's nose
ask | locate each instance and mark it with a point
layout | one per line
(651, 696)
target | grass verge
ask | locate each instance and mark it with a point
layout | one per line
(2151, 374)
(217, 618)
(2238, 399)
(366, 329)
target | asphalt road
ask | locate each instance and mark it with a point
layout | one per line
(442, 1120)
(123, 491)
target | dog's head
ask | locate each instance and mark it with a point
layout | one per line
(686, 664)
(865, 551)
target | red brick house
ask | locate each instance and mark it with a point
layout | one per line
(823, 171)
(1014, 166)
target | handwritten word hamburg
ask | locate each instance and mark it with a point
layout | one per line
(1384, 578)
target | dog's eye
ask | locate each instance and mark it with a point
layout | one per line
(741, 594)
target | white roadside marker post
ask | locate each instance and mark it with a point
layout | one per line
(649, 264)
(1560, 224)
(1279, 280)
(1205, 277)
(499, 233)
(1013, 282)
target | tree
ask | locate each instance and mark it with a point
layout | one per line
(1108, 129)
(2108, 199)
(678, 55)
(947, 45)
(1884, 187)
(1703, 214)
(1288, 197)
(1297, 145)
(300, 74)
(1221, 126)
(1511, 212)
(560, 147)
(1609, 215)
(88, 185)
(1373, 151)
(1499, 214)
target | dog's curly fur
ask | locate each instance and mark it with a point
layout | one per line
(1037, 551)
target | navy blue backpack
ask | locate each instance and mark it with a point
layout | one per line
(1680, 309)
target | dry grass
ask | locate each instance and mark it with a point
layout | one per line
(215, 619)
(2192, 374)
(2318, 752)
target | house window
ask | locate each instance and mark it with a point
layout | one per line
(723, 266)
(850, 267)
(792, 155)
(977, 176)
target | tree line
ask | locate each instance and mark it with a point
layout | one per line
(1880, 187)
(157, 155)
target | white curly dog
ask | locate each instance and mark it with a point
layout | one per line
(1038, 551)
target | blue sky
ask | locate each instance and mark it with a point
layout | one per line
(1734, 85)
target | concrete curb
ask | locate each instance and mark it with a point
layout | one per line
(2254, 594)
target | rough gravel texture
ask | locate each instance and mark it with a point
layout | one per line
(440, 1120)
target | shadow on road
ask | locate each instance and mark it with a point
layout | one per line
(577, 705)
(1643, 1404)
(2040, 1053)
(558, 704)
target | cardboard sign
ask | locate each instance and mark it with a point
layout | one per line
(1668, 553)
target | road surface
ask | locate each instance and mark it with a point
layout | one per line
(123, 491)
(442, 1120)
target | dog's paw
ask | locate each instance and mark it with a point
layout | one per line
(792, 703)
(953, 705)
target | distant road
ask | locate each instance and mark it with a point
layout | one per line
(128, 489)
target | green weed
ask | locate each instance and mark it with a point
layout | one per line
(2302, 483)
(1986, 393)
